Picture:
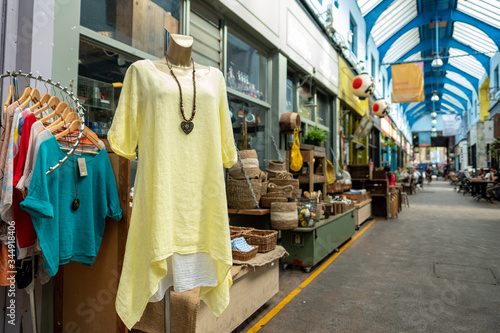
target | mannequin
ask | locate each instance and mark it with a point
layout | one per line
(179, 53)
(173, 239)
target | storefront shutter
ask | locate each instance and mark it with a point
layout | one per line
(207, 41)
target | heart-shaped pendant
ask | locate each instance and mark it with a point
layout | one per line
(76, 204)
(187, 126)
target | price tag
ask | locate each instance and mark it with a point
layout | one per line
(82, 166)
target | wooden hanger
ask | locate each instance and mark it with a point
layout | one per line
(34, 96)
(74, 125)
(9, 99)
(57, 112)
(67, 117)
(51, 103)
(25, 95)
(43, 100)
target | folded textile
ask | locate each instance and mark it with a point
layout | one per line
(241, 244)
(362, 191)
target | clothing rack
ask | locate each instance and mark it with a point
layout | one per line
(79, 107)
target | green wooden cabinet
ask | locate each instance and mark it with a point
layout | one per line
(308, 246)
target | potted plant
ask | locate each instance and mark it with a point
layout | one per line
(494, 147)
(315, 136)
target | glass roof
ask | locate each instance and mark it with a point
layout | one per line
(367, 5)
(395, 17)
(447, 106)
(456, 91)
(474, 37)
(468, 64)
(412, 105)
(460, 80)
(484, 10)
(402, 45)
(453, 101)
(414, 57)
(418, 109)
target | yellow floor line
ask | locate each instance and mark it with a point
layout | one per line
(290, 296)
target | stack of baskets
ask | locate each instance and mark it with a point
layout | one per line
(276, 193)
(286, 178)
(284, 215)
(239, 194)
(241, 255)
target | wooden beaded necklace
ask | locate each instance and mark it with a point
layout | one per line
(187, 125)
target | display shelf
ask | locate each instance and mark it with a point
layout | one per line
(256, 212)
(317, 179)
(311, 178)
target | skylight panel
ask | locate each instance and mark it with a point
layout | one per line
(474, 37)
(412, 105)
(456, 91)
(485, 10)
(416, 110)
(367, 5)
(395, 17)
(460, 80)
(468, 64)
(414, 57)
(402, 45)
(453, 101)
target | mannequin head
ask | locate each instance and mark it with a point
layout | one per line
(179, 50)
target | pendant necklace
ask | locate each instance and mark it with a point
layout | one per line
(76, 202)
(187, 125)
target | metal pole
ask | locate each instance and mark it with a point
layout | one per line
(167, 311)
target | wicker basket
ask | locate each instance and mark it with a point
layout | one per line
(245, 256)
(239, 195)
(252, 173)
(235, 234)
(284, 216)
(250, 153)
(266, 202)
(286, 190)
(265, 239)
(241, 230)
(289, 121)
(284, 179)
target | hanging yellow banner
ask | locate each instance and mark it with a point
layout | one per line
(408, 83)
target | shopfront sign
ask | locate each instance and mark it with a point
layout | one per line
(464, 155)
(488, 132)
(346, 90)
(451, 124)
(408, 83)
(385, 127)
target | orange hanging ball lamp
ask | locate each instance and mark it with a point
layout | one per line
(363, 85)
(381, 108)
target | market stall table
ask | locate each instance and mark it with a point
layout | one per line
(308, 246)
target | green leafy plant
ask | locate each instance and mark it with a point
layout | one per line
(316, 135)
(494, 147)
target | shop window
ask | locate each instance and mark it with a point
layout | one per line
(141, 24)
(353, 37)
(323, 110)
(374, 67)
(249, 126)
(306, 103)
(496, 78)
(290, 96)
(246, 68)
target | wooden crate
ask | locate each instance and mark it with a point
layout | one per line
(378, 174)
(361, 171)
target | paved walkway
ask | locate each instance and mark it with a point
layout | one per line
(434, 269)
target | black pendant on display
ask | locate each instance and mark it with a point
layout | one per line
(187, 126)
(75, 204)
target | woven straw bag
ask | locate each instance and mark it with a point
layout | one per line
(239, 195)
(284, 215)
(287, 190)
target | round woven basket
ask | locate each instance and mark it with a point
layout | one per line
(251, 153)
(253, 173)
(287, 189)
(284, 215)
(239, 195)
(290, 121)
(284, 179)
(266, 201)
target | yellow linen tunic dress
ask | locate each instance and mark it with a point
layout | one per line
(179, 192)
